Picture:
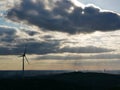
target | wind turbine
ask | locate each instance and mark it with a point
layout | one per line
(23, 60)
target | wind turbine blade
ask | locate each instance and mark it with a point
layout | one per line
(25, 49)
(27, 60)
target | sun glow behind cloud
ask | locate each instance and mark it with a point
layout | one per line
(77, 3)
(110, 5)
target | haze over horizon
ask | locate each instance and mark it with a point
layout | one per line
(60, 34)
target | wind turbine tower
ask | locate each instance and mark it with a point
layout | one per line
(23, 60)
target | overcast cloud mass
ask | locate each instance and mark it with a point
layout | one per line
(59, 30)
(11, 45)
(64, 16)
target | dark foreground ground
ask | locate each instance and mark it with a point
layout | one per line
(66, 81)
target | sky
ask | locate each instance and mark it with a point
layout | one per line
(60, 34)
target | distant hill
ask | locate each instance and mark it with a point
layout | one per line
(65, 81)
(29, 73)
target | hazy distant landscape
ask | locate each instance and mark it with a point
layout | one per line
(34, 73)
(30, 73)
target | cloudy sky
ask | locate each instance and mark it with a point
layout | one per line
(60, 34)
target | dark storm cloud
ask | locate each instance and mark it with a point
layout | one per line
(60, 19)
(7, 34)
(5, 51)
(13, 44)
(58, 57)
(48, 48)
(43, 47)
(77, 57)
(31, 33)
(88, 49)
(105, 56)
(32, 48)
